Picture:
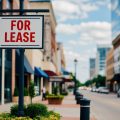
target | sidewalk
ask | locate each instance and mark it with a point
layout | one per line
(69, 110)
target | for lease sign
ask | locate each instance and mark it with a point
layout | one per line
(21, 31)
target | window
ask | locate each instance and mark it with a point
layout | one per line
(8, 54)
(0, 4)
(8, 4)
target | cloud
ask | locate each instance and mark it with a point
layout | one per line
(66, 10)
(89, 31)
(76, 9)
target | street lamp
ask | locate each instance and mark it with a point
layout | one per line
(75, 88)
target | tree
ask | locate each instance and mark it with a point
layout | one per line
(31, 90)
(98, 81)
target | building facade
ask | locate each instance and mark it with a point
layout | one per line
(110, 70)
(92, 67)
(102, 51)
(116, 46)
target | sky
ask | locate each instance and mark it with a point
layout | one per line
(81, 25)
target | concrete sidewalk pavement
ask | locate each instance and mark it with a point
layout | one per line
(69, 110)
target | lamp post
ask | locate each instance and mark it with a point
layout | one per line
(75, 88)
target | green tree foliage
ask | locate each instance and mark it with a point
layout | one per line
(31, 90)
(98, 81)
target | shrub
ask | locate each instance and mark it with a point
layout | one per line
(6, 116)
(31, 90)
(47, 93)
(14, 110)
(36, 109)
(16, 92)
(52, 96)
(64, 93)
(56, 90)
(51, 116)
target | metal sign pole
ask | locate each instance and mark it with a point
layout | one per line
(21, 79)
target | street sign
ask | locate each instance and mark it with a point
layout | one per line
(21, 31)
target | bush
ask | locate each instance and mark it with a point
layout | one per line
(31, 90)
(36, 109)
(14, 110)
(7, 116)
(16, 92)
(47, 93)
(51, 116)
(64, 93)
(56, 90)
(52, 96)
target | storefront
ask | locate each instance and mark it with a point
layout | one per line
(28, 71)
(8, 73)
(39, 75)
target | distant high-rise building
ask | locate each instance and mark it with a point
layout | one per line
(92, 67)
(102, 51)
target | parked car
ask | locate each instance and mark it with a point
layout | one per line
(93, 89)
(103, 90)
(118, 93)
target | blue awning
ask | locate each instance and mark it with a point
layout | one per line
(40, 73)
(64, 72)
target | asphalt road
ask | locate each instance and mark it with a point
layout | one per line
(103, 106)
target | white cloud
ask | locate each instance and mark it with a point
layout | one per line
(76, 9)
(89, 31)
(66, 10)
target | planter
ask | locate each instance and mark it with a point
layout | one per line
(15, 99)
(26, 99)
(55, 101)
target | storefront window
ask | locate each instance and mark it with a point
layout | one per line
(8, 72)
(8, 4)
(0, 4)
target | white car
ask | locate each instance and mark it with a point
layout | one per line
(93, 89)
(103, 90)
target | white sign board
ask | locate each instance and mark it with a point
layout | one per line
(21, 31)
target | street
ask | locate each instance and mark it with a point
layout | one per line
(103, 106)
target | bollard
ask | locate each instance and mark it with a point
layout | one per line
(78, 98)
(80, 95)
(85, 109)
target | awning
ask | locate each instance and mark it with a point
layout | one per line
(116, 77)
(50, 73)
(67, 80)
(27, 66)
(40, 73)
(65, 72)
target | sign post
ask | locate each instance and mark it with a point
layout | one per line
(21, 79)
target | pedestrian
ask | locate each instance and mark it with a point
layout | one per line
(43, 94)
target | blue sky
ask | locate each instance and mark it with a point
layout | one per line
(82, 24)
(115, 18)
